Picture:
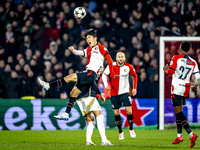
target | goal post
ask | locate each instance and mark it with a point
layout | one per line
(162, 41)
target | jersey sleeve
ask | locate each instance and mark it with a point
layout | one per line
(196, 69)
(103, 50)
(173, 63)
(133, 73)
(85, 52)
(172, 66)
(132, 70)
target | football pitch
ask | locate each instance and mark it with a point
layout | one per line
(55, 140)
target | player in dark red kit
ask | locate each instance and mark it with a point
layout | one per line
(181, 68)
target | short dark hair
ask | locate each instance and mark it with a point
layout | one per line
(185, 45)
(90, 32)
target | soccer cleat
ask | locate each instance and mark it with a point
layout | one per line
(107, 143)
(193, 139)
(90, 143)
(63, 116)
(45, 85)
(121, 136)
(132, 133)
(178, 140)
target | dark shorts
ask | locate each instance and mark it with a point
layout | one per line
(85, 78)
(178, 100)
(119, 99)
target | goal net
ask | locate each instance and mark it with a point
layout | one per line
(169, 46)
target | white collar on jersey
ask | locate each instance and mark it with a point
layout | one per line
(95, 45)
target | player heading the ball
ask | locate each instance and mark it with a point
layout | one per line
(96, 54)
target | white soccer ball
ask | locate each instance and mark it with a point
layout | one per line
(79, 12)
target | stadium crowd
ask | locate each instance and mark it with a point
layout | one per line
(35, 35)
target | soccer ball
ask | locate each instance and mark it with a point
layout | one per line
(79, 12)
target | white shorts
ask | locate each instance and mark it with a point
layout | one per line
(88, 104)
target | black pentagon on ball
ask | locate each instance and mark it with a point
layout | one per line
(80, 8)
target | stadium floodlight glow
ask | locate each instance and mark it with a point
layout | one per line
(162, 41)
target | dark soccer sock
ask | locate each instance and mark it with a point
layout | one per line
(118, 122)
(130, 121)
(178, 124)
(70, 104)
(184, 122)
(58, 82)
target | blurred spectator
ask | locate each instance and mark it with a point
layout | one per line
(191, 31)
(9, 33)
(143, 84)
(3, 91)
(2, 66)
(12, 84)
(66, 42)
(28, 56)
(27, 45)
(153, 68)
(153, 90)
(136, 64)
(39, 36)
(58, 53)
(47, 55)
(10, 48)
(146, 61)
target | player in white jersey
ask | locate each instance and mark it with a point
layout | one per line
(89, 105)
(96, 54)
(181, 68)
(120, 91)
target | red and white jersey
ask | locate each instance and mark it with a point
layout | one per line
(120, 84)
(95, 56)
(182, 67)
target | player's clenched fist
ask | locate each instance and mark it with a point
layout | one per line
(71, 48)
(134, 92)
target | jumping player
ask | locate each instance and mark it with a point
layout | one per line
(181, 68)
(120, 91)
(96, 54)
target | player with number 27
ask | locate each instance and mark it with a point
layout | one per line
(181, 68)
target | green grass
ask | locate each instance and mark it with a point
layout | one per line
(55, 140)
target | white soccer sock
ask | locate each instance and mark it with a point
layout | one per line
(191, 134)
(101, 127)
(179, 134)
(89, 131)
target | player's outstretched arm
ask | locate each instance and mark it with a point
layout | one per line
(76, 52)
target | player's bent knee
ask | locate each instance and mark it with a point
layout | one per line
(71, 78)
(129, 112)
(97, 113)
(117, 112)
(75, 91)
(178, 109)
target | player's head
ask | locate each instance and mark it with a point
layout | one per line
(120, 58)
(185, 46)
(91, 37)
